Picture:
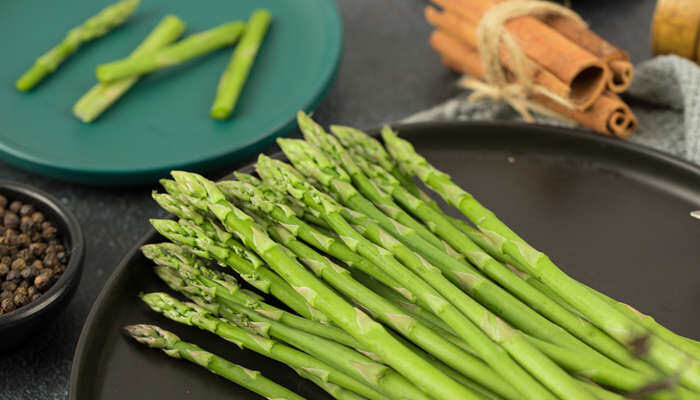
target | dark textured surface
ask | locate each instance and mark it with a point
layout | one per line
(387, 72)
(570, 184)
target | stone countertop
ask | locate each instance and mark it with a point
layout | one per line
(387, 72)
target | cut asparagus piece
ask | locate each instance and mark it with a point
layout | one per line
(283, 175)
(193, 277)
(190, 47)
(595, 309)
(158, 338)
(101, 96)
(354, 321)
(194, 315)
(236, 73)
(96, 26)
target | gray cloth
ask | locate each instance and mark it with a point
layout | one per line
(665, 96)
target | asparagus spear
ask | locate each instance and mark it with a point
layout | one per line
(96, 26)
(159, 338)
(495, 298)
(349, 318)
(101, 96)
(236, 73)
(385, 311)
(190, 47)
(194, 315)
(186, 274)
(597, 310)
(285, 176)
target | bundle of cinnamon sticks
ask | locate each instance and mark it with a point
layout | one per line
(580, 72)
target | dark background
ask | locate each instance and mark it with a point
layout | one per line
(387, 72)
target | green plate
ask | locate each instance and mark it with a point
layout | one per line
(163, 122)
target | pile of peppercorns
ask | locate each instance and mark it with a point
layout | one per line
(32, 257)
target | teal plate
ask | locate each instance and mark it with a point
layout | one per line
(163, 122)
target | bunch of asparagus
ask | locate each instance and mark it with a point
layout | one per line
(156, 52)
(389, 297)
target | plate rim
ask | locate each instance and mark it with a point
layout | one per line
(571, 133)
(122, 177)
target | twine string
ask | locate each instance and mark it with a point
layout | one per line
(516, 86)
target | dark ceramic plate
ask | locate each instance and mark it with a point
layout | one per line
(613, 215)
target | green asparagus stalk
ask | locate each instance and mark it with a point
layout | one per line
(684, 344)
(190, 47)
(101, 96)
(284, 175)
(259, 277)
(184, 273)
(342, 358)
(261, 198)
(354, 321)
(495, 298)
(385, 311)
(96, 26)
(236, 73)
(332, 389)
(608, 374)
(597, 310)
(331, 148)
(194, 315)
(158, 338)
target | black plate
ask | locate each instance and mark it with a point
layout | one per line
(612, 214)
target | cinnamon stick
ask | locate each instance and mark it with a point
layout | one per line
(608, 114)
(582, 71)
(465, 31)
(621, 69)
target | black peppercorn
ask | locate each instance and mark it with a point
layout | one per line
(26, 210)
(13, 275)
(49, 233)
(24, 284)
(50, 260)
(15, 206)
(37, 248)
(21, 299)
(7, 305)
(43, 279)
(26, 224)
(38, 217)
(11, 220)
(6, 294)
(18, 264)
(6, 260)
(27, 272)
(4, 269)
(9, 286)
(32, 290)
